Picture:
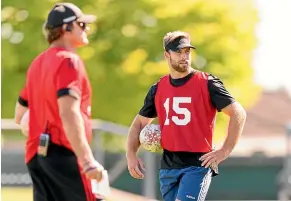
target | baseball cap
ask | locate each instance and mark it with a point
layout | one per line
(64, 13)
(178, 43)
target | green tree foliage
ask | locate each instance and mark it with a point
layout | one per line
(125, 56)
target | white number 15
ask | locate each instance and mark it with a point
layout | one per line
(178, 110)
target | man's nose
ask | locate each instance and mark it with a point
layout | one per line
(183, 56)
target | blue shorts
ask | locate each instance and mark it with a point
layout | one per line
(187, 184)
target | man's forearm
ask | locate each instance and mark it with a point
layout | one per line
(73, 124)
(235, 129)
(19, 112)
(133, 143)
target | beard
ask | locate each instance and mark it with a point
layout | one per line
(180, 67)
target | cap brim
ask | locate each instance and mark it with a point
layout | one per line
(87, 19)
(185, 45)
(175, 49)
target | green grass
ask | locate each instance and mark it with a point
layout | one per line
(14, 194)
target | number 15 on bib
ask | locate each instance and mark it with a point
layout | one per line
(175, 106)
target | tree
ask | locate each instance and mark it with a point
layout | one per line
(125, 56)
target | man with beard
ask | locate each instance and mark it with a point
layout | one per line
(185, 102)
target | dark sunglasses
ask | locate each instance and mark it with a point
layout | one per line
(82, 25)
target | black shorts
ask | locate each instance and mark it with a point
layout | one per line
(57, 177)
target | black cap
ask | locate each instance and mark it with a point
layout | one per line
(64, 13)
(179, 43)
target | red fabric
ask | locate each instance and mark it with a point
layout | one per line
(54, 69)
(185, 114)
(23, 93)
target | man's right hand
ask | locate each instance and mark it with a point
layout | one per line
(93, 170)
(134, 164)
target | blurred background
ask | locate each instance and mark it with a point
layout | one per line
(244, 43)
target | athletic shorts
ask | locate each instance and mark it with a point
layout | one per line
(187, 184)
(57, 177)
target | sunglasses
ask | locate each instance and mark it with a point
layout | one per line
(82, 25)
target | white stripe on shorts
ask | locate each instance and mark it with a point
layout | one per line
(205, 186)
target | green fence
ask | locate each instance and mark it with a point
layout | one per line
(253, 178)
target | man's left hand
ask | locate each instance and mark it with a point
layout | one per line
(213, 158)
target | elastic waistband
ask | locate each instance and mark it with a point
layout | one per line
(61, 150)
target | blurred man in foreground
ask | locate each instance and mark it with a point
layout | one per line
(185, 102)
(58, 95)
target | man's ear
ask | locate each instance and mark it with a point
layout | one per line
(67, 27)
(64, 26)
(166, 54)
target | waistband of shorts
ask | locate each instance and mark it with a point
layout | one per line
(55, 148)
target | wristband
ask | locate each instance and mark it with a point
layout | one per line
(89, 169)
